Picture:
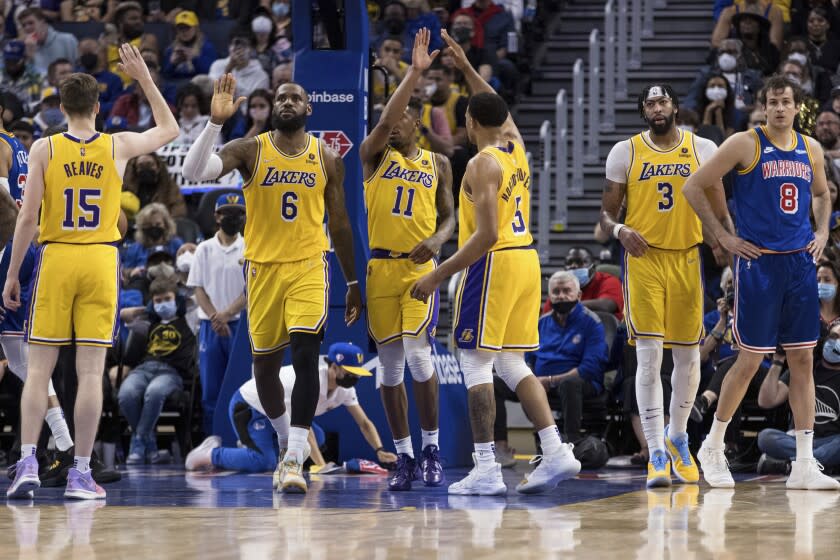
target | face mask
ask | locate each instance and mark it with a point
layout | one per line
(52, 117)
(348, 381)
(686, 127)
(727, 62)
(826, 291)
(461, 34)
(831, 351)
(260, 115)
(261, 24)
(794, 78)
(146, 176)
(716, 93)
(89, 61)
(582, 275)
(563, 307)
(230, 224)
(430, 90)
(395, 26)
(185, 261)
(153, 232)
(166, 309)
(162, 270)
(799, 57)
(280, 10)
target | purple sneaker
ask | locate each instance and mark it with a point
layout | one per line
(82, 486)
(406, 472)
(26, 479)
(431, 467)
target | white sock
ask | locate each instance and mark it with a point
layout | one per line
(281, 424)
(649, 392)
(485, 455)
(550, 440)
(59, 429)
(81, 464)
(430, 437)
(804, 444)
(27, 449)
(684, 380)
(297, 442)
(404, 446)
(283, 441)
(715, 437)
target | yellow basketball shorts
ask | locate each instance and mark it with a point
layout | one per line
(497, 305)
(663, 296)
(284, 298)
(392, 312)
(74, 298)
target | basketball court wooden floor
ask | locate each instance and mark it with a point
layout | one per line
(161, 513)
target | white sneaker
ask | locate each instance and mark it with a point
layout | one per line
(806, 474)
(277, 478)
(552, 469)
(200, 458)
(481, 482)
(291, 475)
(715, 467)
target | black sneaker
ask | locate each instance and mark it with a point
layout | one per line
(101, 473)
(699, 409)
(769, 465)
(54, 472)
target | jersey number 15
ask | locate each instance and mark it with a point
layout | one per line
(88, 209)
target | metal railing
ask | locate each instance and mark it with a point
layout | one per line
(621, 60)
(544, 194)
(578, 133)
(594, 97)
(561, 158)
(635, 61)
(608, 118)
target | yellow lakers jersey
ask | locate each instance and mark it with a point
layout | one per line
(656, 207)
(513, 199)
(400, 198)
(285, 202)
(82, 190)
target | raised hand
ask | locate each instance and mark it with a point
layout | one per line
(455, 50)
(421, 59)
(223, 105)
(132, 63)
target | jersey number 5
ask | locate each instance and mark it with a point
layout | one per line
(518, 223)
(667, 192)
(88, 209)
(788, 198)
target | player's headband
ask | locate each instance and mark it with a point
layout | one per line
(656, 91)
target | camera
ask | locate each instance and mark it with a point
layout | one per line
(729, 297)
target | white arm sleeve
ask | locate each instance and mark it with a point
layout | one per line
(705, 149)
(618, 162)
(4, 182)
(201, 164)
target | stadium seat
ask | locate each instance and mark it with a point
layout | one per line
(188, 230)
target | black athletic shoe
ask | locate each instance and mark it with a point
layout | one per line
(101, 473)
(769, 465)
(700, 408)
(54, 473)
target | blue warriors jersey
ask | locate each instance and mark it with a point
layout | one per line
(13, 321)
(19, 167)
(773, 195)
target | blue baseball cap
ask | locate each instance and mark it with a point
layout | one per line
(115, 124)
(350, 357)
(14, 50)
(834, 222)
(230, 199)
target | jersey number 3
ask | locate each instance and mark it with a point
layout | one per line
(88, 209)
(789, 198)
(667, 192)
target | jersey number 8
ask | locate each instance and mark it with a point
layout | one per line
(788, 198)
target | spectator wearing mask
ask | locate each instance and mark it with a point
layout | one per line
(763, 8)
(482, 59)
(169, 358)
(49, 112)
(758, 51)
(825, 51)
(827, 279)
(128, 18)
(258, 119)
(92, 61)
(797, 49)
(270, 48)
(433, 133)
(717, 105)
(20, 77)
(405, 19)
(43, 43)
(216, 275)
(828, 133)
(193, 113)
(147, 180)
(744, 82)
(241, 63)
(132, 108)
(495, 24)
(23, 131)
(190, 53)
(775, 391)
(570, 362)
(338, 374)
(154, 227)
(600, 291)
(809, 107)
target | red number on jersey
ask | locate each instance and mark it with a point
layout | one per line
(789, 198)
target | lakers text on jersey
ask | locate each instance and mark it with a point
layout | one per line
(74, 297)
(498, 298)
(400, 198)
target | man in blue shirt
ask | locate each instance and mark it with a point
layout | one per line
(570, 362)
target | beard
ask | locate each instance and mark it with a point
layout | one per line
(664, 127)
(287, 124)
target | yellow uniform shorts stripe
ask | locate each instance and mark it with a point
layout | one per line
(284, 298)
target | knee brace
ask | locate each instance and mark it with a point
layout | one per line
(512, 369)
(307, 387)
(418, 354)
(391, 363)
(477, 366)
(687, 361)
(648, 360)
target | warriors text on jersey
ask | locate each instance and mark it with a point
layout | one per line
(19, 167)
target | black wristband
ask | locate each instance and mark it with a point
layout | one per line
(378, 449)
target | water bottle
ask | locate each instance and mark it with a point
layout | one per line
(530, 10)
(512, 42)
